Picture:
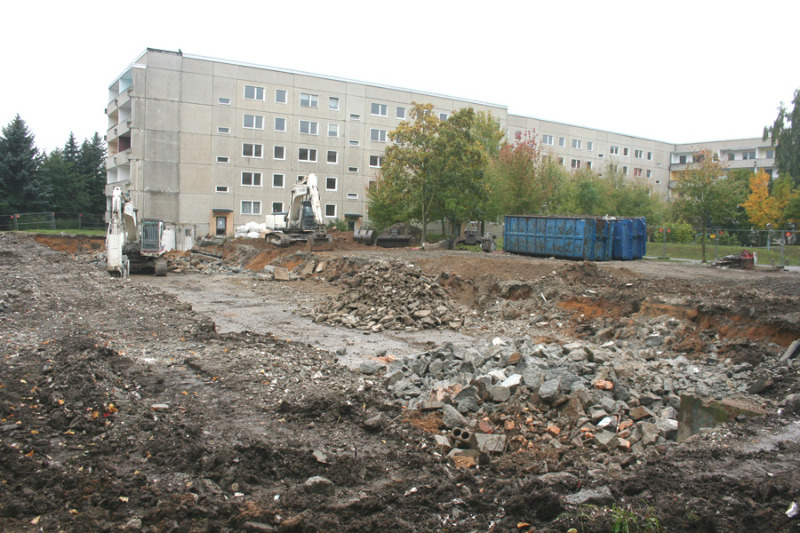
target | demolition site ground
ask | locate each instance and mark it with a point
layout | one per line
(362, 389)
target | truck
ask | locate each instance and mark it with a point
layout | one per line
(133, 246)
(303, 222)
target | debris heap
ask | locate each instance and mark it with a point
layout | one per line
(389, 295)
(507, 396)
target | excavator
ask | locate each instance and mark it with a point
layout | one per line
(303, 222)
(130, 246)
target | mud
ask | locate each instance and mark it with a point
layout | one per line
(206, 402)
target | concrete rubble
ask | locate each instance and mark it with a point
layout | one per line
(509, 395)
(387, 295)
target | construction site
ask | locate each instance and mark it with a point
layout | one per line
(355, 388)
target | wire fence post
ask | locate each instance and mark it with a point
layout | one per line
(716, 245)
(79, 220)
(16, 222)
(664, 243)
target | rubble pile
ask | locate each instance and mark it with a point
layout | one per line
(508, 396)
(389, 295)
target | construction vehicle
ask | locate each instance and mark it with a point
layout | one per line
(132, 246)
(303, 222)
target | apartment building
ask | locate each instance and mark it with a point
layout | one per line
(215, 144)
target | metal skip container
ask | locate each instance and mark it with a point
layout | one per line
(582, 237)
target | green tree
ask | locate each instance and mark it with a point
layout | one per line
(91, 166)
(465, 141)
(405, 190)
(435, 170)
(706, 198)
(21, 187)
(68, 195)
(516, 178)
(785, 137)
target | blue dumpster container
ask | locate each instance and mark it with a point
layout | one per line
(583, 237)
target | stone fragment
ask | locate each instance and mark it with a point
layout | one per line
(374, 423)
(490, 443)
(601, 496)
(451, 418)
(637, 413)
(605, 439)
(549, 390)
(319, 485)
(443, 442)
(160, 407)
(498, 393)
(370, 366)
(281, 273)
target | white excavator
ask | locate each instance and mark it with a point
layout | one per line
(130, 246)
(303, 222)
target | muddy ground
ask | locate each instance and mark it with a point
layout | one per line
(209, 400)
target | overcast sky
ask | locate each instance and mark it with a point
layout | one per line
(676, 71)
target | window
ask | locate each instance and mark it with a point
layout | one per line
(649, 156)
(624, 171)
(308, 127)
(224, 101)
(333, 103)
(376, 161)
(308, 155)
(577, 144)
(277, 181)
(749, 155)
(547, 139)
(576, 163)
(333, 157)
(562, 141)
(277, 207)
(280, 96)
(251, 179)
(222, 159)
(443, 116)
(637, 172)
(352, 169)
(355, 117)
(280, 124)
(331, 183)
(330, 210)
(252, 150)
(625, 152)
(401, 112)
(251, 92)
(377, 135)
(658, 182)
(253, 122)
(590, 146)
(380, 110)
(638, 154)
(251, 207)
(682, 159)
(333, 130)
(352, 196)
(588, 164)
(770, 154)
(354, 142)
(561, 161)
(613, 150)
(309, 100)
(279, 152)
(223, 129)
(222, 188)
(649, 173)
(731, 156)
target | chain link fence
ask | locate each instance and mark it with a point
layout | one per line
(51, 221)
(778, 247)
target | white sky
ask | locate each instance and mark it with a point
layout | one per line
(675, 71)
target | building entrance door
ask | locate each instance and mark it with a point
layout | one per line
(222, 226)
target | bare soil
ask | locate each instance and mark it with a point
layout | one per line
(205, 402)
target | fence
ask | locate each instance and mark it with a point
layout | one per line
(772, 247)
(51, 221)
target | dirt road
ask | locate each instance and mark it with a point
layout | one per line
(211, 402)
